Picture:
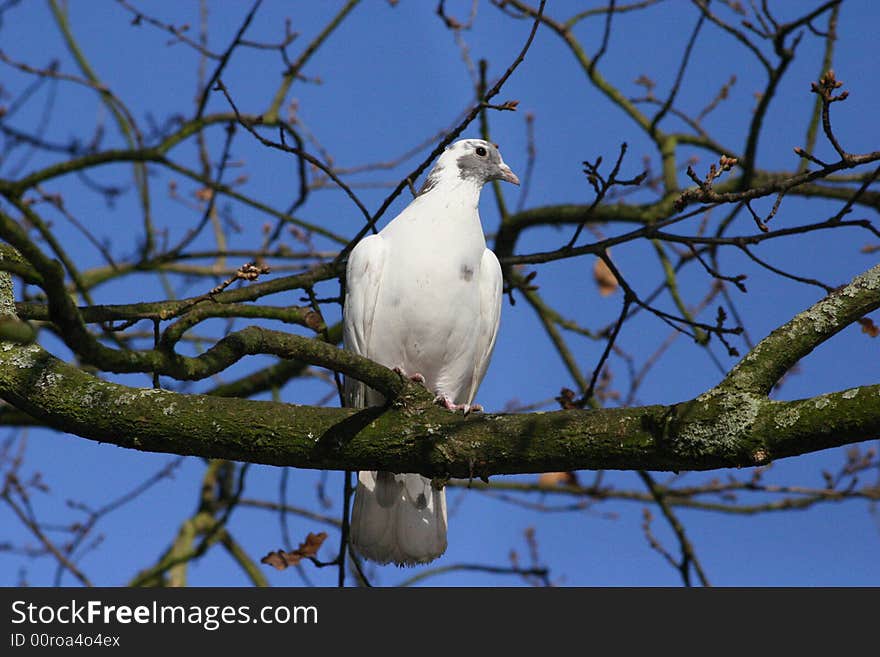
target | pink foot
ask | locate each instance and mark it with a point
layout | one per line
(449, 405)
(415, 378)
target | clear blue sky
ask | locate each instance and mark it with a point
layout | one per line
(390, 78)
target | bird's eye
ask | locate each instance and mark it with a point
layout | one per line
(481, 151)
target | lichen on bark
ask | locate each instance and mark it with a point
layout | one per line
(731, 425)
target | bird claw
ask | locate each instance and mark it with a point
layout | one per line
(415, 378)
(449, 405)
(442, 400)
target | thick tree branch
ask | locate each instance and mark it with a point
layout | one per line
(732, 425)
(719, 429)
(762, 368)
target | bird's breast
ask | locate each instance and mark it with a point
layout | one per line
(427, 316)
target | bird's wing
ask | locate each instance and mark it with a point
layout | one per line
(491, 284)
(363, 277)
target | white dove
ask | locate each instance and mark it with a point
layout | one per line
(423, 296)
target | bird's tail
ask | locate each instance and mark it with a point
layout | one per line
(398, 519)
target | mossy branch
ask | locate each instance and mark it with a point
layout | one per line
(720, 429)
(732, 425)
(762, 368)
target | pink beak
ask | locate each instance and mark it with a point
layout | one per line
(508, 175)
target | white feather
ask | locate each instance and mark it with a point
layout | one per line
(423, 295)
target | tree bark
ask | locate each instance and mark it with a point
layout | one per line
(734, 424)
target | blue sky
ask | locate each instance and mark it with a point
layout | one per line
(390, 78)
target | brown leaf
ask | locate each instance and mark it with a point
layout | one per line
(281, 560)
(276, 560)
(604, 278)
(312, 544)
(869, 327)
(551, 479)
(567, 399)
(204, 194)
(314, 320)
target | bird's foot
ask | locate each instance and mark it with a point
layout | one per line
(415, 378)
(449, 405)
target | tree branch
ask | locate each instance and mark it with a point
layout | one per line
(732, 425)
(719, 429)
(762, 368)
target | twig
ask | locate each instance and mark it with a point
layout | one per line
(688, 556)
(455, 132)
(34, 528)
(224, 58)
(470, 567)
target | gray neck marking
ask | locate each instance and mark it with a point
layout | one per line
(432, 180)
(479, 169)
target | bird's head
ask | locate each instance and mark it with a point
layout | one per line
(473, 160)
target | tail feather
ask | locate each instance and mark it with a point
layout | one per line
(398, 519)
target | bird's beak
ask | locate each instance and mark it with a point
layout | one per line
(507, 174)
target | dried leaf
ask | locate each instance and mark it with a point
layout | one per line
(312, 544)
(276, 560)
(314, 320)
(604, 278)
(567, 399)
(204, 194)
(869, 327)
(551, 479)
(281, 560)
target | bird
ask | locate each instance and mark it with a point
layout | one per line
(423, 297)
